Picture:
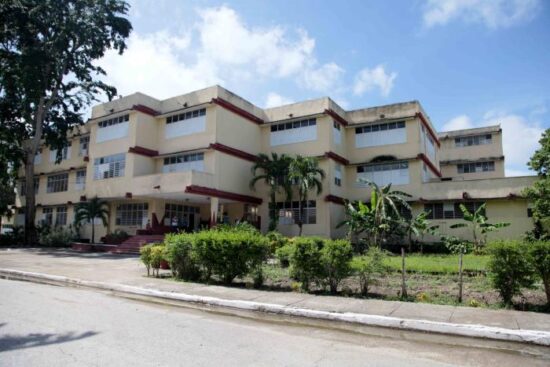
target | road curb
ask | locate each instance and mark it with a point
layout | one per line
(535, 337)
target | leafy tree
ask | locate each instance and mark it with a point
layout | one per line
(539, 193)
(307, 175)
(477, 222)
(385, 204)
(86, 212)
(48, 72)
(540, 258)
(275, 175)
(419, 226)
(7, 198)
(359, 219)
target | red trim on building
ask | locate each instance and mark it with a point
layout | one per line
(144, 109)
(83, 198)
(427, 126)
(337, 117)
(86, 159)
(207, 191)
(338, 158)
(234, 152)
(128, 195)
(429, 163)
(69, 202)
(335, 199)
(143, 151)
(237, 110)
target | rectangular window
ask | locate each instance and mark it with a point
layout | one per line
(184, 162)
(80, 180)
(173, 212)
(475, 167)
(58, 183)
(450, 210)
(113, 128)
(337, 133)
(294, 132)
(185, 123)
(65, 154)
(380, 134)
(289, 212)
(338, 174)
(468, 141)
(38, 157)
(84, 144)
(131, 214)
(24, 186)
(396, 173)
(61, 215)
(47, 216)
(109, 166)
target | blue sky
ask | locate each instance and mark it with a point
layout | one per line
(469, 62)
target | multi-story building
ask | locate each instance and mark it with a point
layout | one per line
(187, 161)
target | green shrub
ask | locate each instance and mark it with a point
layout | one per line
(336, 256)
(369, 267)
(157, 255)
(145, 256)
(540, 257)
(510, 268)
(283, 254)
(57, 236)
(276, 240)
(180, 255)
(230, 253)
(305, 260)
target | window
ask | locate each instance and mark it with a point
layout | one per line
(134, 214)
(396, 173)
(58, 183)
(294, 132)
(181, 212)
(61, 215)
(38, 157)
(380, 134)
(24, 186)
(475, 167)
(184, 162)
(80, 180)
(186, 123)
(289, 212)
(110, 166)
(47, 216)
(467, 141)
(65, 154)
(338, 174)
(186, 116)
(336, 132)
(113, 128)
(83, 149)
(114, 121)
(449, 210)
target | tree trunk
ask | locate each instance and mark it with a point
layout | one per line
(460, 277)
(410, 242)
(30, 198)
(273, 215)
(403, 283)
(546, 282)
(93, 232)
(300, 215)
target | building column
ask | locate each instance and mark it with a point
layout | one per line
(214, 203)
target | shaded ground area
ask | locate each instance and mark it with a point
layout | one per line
(44, 325)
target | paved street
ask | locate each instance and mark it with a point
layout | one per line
(43, 325)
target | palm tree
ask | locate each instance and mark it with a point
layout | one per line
(384, 202)
(477, 221)
(89, 210)
(275, 175)
(306, 174)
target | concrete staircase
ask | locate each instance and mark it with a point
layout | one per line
(132, 244)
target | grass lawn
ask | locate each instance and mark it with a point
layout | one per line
(441, 264)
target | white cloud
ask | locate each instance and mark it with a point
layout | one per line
(458, 123)
(324, 78)
(368, 79)
(492, 13)
(275, 100)
(520, 137)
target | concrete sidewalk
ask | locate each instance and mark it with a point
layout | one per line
(128, 271)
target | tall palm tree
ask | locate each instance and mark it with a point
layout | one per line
(306, 174)
(274, 172)
(89, 210)
(385, 203)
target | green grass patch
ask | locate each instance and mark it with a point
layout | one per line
(438, 264)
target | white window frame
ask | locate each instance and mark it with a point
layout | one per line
(185, 123)
(184, 163)
(83, 146)
(293, 132)
(387, 133)
(110, 166)
(132, 214)
(289, 211)
(80, 182)
(113, 128)
(383, 173)
(65, 155)
(57, 183)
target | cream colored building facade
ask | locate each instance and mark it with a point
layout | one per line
(186, 162)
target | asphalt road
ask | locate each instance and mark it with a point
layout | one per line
(43, 325)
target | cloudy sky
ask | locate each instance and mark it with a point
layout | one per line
(469, 62)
